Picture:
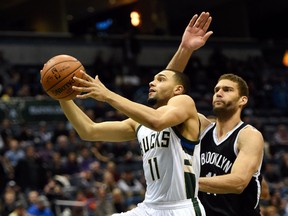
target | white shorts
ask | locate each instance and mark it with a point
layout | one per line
(168, 209)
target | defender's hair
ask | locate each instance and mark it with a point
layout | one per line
(242, 85)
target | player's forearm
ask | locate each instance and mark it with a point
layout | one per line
(180, 59)
(222, 184)
(140, 113)
(79, 120)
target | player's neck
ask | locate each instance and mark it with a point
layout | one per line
(224, 126)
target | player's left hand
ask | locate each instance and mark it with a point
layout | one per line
(91, 88)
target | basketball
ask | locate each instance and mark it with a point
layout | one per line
(57, 77)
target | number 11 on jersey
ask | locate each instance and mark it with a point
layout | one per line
(154, 168)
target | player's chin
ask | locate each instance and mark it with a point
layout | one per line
(219, 109)
(151, 101)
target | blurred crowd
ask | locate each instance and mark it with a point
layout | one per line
(39, 167)
(46, 169)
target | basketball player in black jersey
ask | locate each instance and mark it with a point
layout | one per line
(231, 151)
(231, 154)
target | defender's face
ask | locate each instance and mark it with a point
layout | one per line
(161, 88)
(226, 96)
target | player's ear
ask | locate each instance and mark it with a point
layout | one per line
(179, 89)
(244, 100)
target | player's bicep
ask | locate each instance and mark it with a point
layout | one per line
(178, 110)
(250, 145)
(114, 131)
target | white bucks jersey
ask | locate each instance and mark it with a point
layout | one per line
(167, 162)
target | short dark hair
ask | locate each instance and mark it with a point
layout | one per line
(242, 85)
(182, 79)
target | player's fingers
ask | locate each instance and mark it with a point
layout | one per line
(83, 96)
(86, 76)
(207, 35)
(82, 89)
(83, 81)
(192, 21)
(203, 19)
(199, 20)
(207, 24)
(200, 23)
(79, 89)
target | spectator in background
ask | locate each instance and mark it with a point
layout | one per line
(32, 197)
(7, 93)
(101, 152)
(53, 190)
(24, 91)
(133, 154)
(3, 177)
(73, 138)
(85, 158)
(112, 168)
(284, 165)
(119, 151)
(270, 211)
(131, 187)
(19, 210)
(7, 133)
(12, 186)
(26, 135)
(280, 136)
(30, 172)
(41, 207)
(63, 145)
(56, 165)
(8, 202)
(109, 180)
(42, 135)
(71, 165)
(118, 201)
(279, 139)
(272, 174)
(15, 152)
(60, 129)
(96, 171)
(46, 153)
(104, 205)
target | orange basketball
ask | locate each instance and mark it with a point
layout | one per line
(57, 77)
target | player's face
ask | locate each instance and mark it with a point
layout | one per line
(161, 88)
(226, 98)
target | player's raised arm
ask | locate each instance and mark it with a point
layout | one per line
(194, 37)
(91, 131)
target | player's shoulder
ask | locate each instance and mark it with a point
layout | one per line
(250, 128)
(185, 99)
(250, 131)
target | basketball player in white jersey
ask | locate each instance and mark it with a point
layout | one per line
(167, 133)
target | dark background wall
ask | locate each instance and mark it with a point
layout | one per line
(261, 19)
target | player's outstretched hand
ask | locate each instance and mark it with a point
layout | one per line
(195, 34)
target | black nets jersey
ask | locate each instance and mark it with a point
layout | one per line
(217, 158)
